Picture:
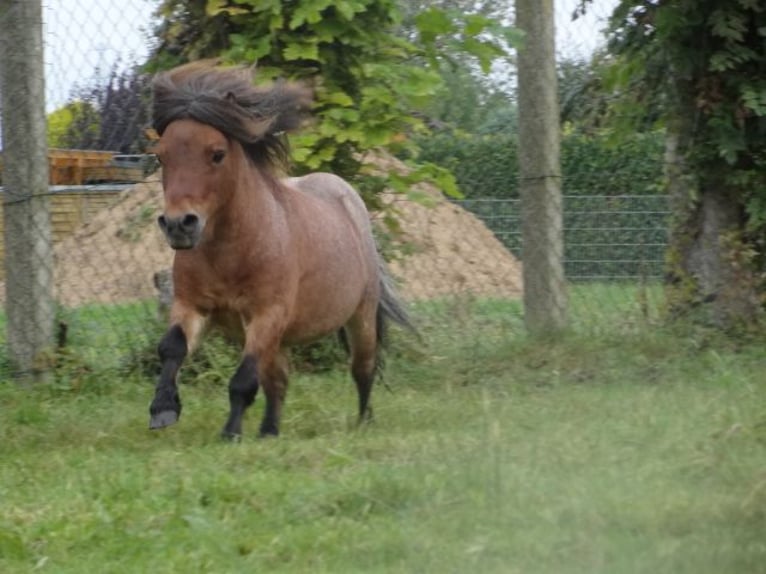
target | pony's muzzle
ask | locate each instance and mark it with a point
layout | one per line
(182, 232)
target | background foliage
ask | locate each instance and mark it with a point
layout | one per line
(697, 68)
(486, 166)
(109, 114)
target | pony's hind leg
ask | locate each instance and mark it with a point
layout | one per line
(363, 373)
(363, 342)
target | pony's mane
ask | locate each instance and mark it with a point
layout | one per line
(226, 99)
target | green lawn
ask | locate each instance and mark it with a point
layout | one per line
(636, 449)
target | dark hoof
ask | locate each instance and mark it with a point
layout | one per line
(366, 417)
(231, 436)
(163, 419)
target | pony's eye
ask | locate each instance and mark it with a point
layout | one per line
(218, 156)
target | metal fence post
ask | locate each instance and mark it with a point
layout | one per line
(28, 254)
(545, 294)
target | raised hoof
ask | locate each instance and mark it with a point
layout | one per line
(163, 419)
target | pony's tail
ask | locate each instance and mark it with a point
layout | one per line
(390, 308)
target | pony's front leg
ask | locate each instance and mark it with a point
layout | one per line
(271, 373)
(262, 365)
(177, 342)
(243, 387)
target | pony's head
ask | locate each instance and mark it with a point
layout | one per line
(212, 123)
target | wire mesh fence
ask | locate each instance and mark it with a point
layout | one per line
(458, 263)
(619, 238)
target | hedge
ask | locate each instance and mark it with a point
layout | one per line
(487, 166)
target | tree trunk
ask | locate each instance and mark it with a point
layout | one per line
(710, 267)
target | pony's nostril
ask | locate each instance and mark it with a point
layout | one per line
(162, 222)
(190, 220)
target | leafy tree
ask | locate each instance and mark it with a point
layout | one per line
(368, 80)
(700, 65)
(84, 125)
(61, 124)
(108, 115)
(123, 104)
(450, 29)
(584, 97)
(466, 102)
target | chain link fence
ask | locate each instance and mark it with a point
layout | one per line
(613, 239)
(104, 262)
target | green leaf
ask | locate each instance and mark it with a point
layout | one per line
(441, 178)
(308, 12)
(421, 197)
(754, 98)
(303, 51)
(728, 25)
(438, 176)
(721, 61)
(485, 52)
(338, 98)
(276, 22)
(261, 47)
(329, 30)
(348, 9)
(514, 36)
(476, 24)
(267, 74)
(433, 23)
(215, 7)
(342, 114)
(321, 155)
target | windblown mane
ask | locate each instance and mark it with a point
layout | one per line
(226, 99)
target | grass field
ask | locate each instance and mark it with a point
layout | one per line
(620, 448)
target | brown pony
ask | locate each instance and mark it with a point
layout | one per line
(279, 261)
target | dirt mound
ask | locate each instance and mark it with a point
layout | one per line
(440, 250)
(450, 252)
(446, 249)
(113, 257)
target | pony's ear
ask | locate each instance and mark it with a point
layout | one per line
(295, 101)
(259, 127)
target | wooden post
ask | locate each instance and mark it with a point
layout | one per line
(28, 255)
(545, 293)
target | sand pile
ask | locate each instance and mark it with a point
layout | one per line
(113, 257)
(440, 250)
